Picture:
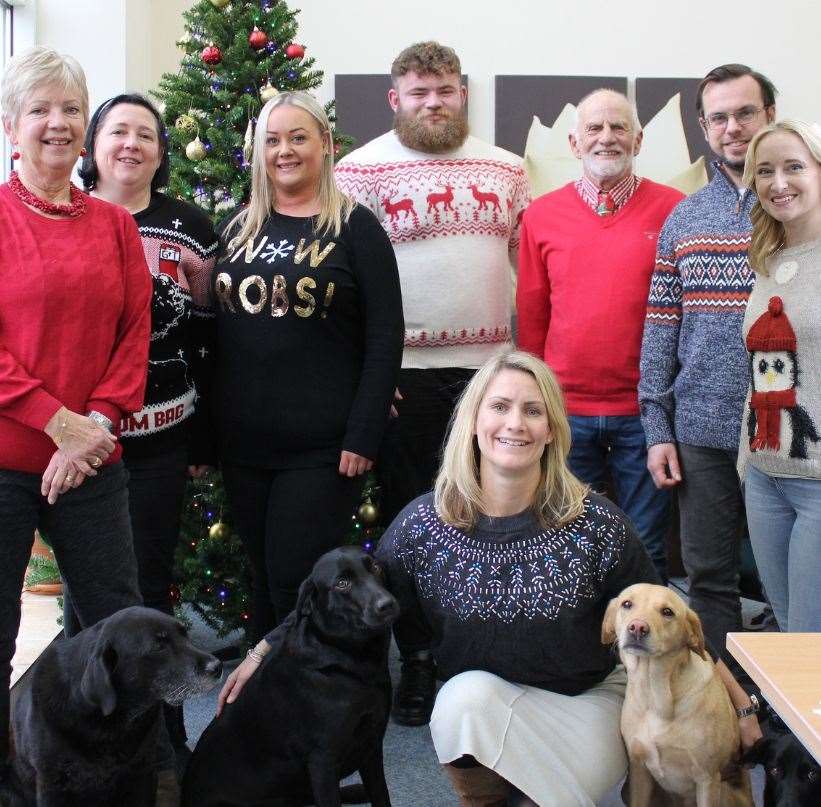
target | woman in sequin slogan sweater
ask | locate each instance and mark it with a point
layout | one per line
(780, 455)
(309, 343)
(504, 571)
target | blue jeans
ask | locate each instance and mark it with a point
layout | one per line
(616, 444)
(784, 519)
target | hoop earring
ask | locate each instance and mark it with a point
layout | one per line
(83, 151)
(15, 155)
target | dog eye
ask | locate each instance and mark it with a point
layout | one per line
(627, 605)
(343, 584)
(668, 612)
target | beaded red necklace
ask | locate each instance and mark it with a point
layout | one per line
(75, 208)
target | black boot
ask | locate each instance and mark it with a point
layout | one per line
(413, 701)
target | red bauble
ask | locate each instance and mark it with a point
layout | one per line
(257, 39)
(294, 51)
(211, 54)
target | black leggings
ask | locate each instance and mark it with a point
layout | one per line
(286, 519)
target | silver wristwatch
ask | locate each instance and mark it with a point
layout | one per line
(746, 711)
(101, 420)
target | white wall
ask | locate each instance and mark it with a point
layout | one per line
(592, 37)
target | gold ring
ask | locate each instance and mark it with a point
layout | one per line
(96, 462)
(69, 479)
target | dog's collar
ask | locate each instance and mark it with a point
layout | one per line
(746, 711)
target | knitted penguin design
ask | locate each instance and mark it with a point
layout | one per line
(774, 371)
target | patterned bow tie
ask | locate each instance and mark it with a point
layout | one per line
(606, 206)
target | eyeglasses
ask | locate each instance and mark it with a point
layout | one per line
(718, 120)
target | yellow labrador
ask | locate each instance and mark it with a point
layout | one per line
(678, 723)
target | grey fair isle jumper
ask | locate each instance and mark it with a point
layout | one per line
(512, 598)
(693, 362)
(781, 432)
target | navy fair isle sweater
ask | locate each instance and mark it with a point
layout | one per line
(694, 371)
(512, 598)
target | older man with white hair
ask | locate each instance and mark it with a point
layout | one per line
(585, 261)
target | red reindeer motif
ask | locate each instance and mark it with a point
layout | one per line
(394, 208)
(484, 198)
(444, 198)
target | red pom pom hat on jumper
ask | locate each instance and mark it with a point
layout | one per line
(772, 330)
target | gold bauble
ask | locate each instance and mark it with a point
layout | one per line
(219, 531)
(220, 3)
(195, 150)
(368, 513)
(187, 124)
(268, 92)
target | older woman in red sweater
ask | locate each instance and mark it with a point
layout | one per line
(74, 329)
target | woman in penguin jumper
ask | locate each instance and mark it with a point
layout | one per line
(780, 455)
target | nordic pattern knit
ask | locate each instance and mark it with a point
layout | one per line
(693, 362)
(453, 220)
(74, 323)
(582, 292)
(512, 598)
(781, 429)
(180, 247)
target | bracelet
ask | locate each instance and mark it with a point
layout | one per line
(101, 420)
(58, 438)
(255, 655)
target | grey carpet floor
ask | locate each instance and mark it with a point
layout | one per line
(411, 768)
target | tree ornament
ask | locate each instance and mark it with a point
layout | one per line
(219, 531)
(211, 54)
(257, 39)
(268, 92)
(294, 51)
(195, 150)
(368, 512)
(186, 124)
(220, 3)
(248, 142)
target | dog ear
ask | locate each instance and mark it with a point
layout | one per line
(695, 634)
(758, 753)
(306, 597)
(608, 625)
(96, 685)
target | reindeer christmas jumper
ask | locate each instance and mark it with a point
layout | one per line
(453, 220)
(781, 429)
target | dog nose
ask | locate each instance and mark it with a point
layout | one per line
(638, 629)
(213, 667)
(385, 605)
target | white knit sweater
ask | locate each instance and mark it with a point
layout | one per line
(453, 220)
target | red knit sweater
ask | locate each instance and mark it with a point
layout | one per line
(75, 320)
(582, 292)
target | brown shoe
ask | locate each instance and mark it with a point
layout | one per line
(478, 787)
(168, 789)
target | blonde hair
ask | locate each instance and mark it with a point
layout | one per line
(334, 206)
(35, 67)
(559, 495)
(768, 233)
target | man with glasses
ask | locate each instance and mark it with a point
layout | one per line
(694, 371)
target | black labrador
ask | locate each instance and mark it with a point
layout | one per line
(792, 776)
(317, 709)
(85, 726)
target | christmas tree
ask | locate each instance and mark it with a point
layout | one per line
(237, 55)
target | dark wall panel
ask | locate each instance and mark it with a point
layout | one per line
(362, 109)
(519, 98)
(653, 93)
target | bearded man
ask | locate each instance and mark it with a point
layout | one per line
(585, 263)
(451, 205)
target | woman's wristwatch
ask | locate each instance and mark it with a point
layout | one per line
(101, 420)
(746, 711)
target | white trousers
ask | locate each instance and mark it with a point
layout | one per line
(559, 750)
